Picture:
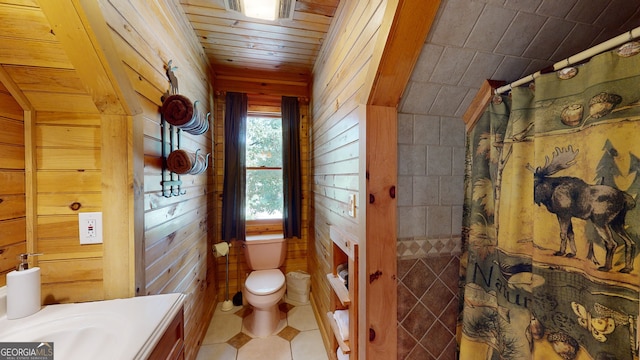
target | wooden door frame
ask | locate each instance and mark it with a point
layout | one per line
(403, 32)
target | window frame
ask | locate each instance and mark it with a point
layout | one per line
(271, 225)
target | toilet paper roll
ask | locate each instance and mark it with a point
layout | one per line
(221, 249)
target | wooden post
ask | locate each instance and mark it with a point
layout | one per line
(117, 208)
(401, 37)
(380, 278)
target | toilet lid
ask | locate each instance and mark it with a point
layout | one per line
(264, 282)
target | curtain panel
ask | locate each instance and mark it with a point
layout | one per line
(291, 168)
(233, 193)
(551, 225)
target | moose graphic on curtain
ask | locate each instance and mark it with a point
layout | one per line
(550, 268)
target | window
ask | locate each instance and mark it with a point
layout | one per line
(264, 168)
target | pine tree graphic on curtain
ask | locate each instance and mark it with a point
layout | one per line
(550, 268)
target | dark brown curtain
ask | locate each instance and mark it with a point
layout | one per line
(291, 171)
(233, 194)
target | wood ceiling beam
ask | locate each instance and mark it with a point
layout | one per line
(272, 83)
(14, 90)
(85, 37)
(258, 86)
(407, 25)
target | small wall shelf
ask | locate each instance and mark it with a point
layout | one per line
(344, 250)
(340, 290)
(344, 345)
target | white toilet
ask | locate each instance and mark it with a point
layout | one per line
(265, 285)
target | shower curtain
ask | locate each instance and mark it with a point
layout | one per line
(551, 228)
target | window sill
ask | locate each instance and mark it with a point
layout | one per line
(263, 227)
(273, 236)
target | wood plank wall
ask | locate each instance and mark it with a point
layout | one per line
(63, 158)
(68, 181)
(12, 193)
(39, 74)
(297, 248)
(30, 61)
(65, 131)
(178, 231)
(338, 113)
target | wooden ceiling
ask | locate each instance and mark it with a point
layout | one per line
(235, 43)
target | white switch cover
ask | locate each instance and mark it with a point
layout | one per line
(90, 224)
(352, 205)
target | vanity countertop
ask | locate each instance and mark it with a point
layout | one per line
(110, 329)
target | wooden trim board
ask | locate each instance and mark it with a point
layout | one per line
(476, 108)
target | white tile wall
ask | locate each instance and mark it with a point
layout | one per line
(474, 40)
(431, 168)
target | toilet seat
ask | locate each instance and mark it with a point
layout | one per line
(264, 282)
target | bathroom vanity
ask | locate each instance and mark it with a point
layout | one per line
(146, 327)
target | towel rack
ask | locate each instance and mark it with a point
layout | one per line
(171, 135)
(170, 181)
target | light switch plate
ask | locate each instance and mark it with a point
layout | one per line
(90, 226)
(352, 205)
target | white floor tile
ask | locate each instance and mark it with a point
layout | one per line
(272, 348)
(222, 328)
(308, 346)
(217, 352)
(281, 325)
(302, 318)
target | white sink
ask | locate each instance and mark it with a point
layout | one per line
(111, 329)
(88, 334)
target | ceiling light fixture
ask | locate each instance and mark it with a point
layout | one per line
(263, 9)
(260, 9)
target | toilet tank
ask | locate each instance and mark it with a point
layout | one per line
(264, 252)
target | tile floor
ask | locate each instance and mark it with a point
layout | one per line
(297, 337)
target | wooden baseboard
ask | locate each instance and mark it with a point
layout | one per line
(326, 334)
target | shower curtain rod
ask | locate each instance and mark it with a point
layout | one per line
(581, 56)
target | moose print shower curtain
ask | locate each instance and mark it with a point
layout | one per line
(551, 236)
